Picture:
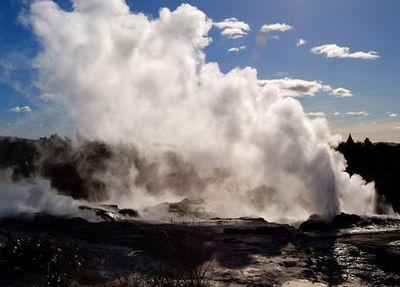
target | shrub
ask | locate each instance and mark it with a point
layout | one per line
(41, 260)
(181, 260)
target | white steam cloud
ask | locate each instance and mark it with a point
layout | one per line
(31, 197)
(126, 77)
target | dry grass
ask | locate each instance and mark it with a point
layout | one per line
(181, 259)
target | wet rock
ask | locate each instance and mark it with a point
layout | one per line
(313, 223)
(344, 220)
(106, 215)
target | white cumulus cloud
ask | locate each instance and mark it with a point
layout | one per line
(341, 92)
(335, 51)
(233, 28)
(295, 87)
(276, 27)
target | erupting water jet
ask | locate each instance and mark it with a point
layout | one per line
(236, 143)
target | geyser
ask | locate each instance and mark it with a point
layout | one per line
(239, 144)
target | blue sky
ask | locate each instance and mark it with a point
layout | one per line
(362, 25)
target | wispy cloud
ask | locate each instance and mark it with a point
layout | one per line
(360, 113)
(236, 49)
(233, 28)
(281, 74)
(316, 114)
(47, 97)
(335, 51)
(18, 109)
(341, 92)
(276, 27)
(301, 42)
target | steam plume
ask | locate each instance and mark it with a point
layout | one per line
(243, 147)
(31, 197)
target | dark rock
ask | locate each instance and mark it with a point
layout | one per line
(128, 212)
(259, 219)
(344, 220)
(313, 223)
(106, 215)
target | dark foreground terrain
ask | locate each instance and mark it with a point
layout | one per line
(54, 251)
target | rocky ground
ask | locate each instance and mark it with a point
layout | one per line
(350, 251)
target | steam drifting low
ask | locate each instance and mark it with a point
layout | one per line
(235, 142)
